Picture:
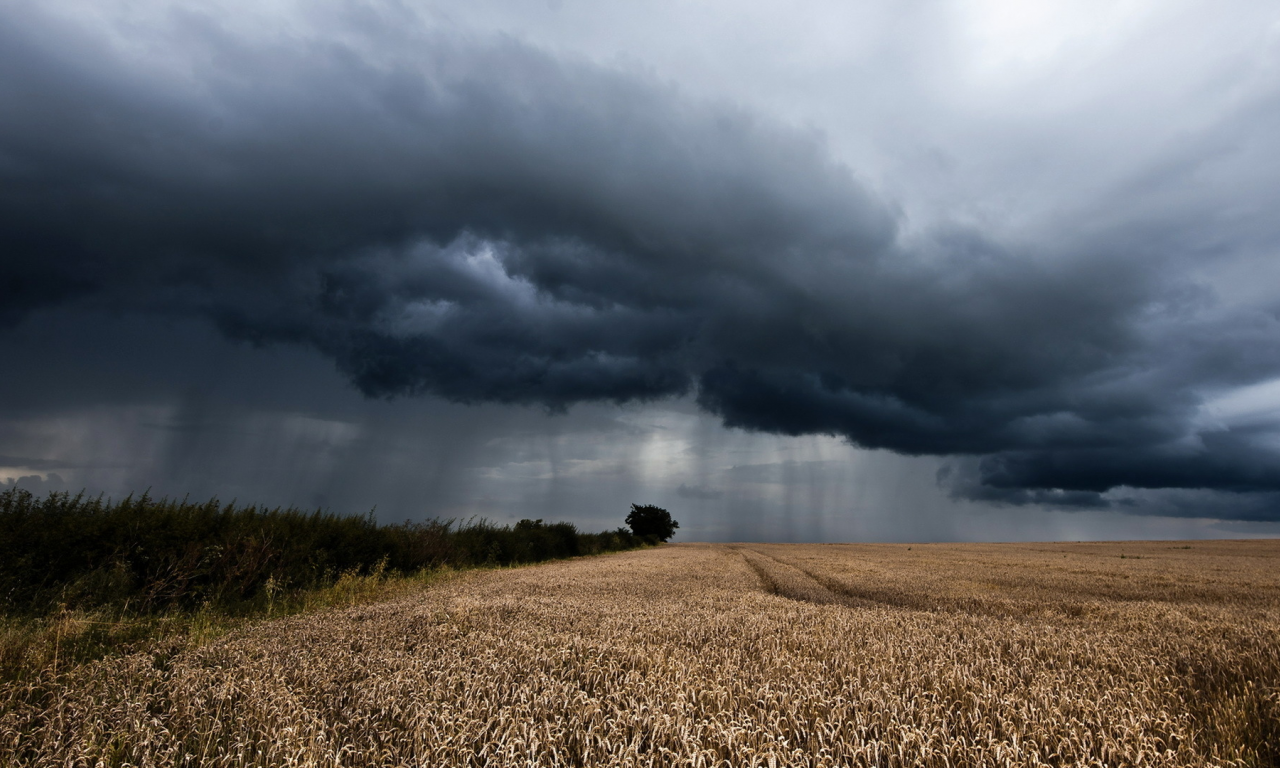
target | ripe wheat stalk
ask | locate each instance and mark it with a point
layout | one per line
(712, 655)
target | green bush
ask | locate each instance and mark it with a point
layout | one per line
(146, 555)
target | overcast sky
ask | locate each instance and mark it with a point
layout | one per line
(801, 271)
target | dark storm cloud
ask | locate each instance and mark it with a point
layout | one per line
(484, 221)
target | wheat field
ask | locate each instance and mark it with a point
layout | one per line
(1158, 653)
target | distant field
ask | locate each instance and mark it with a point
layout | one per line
(1157, 653)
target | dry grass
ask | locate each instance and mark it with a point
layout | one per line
(817, 655)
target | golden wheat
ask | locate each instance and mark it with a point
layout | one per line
(720, 655)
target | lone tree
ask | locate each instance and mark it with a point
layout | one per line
(651, 522)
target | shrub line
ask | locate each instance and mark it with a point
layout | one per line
(82, 577)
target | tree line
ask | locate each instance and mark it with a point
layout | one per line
(150, 555)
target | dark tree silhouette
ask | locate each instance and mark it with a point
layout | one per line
(652, 522)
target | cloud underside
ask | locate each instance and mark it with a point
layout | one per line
(484, 221)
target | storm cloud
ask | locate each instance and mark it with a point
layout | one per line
(486, 220)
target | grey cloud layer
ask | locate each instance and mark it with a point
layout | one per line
(484, 221)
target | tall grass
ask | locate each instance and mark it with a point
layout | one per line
(64, 551)
(81, 576)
